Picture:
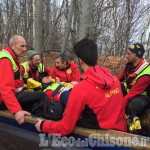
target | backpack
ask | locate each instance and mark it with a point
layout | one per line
(52, 110)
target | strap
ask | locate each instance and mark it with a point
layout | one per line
(56, 91)
(142, 66)
(136, 73)
(6, 52)
(144, 69)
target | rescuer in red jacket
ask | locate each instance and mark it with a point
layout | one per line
(33, 68)
(95, 102)
(136, 80)
(64, 71)
(11, 84)
(9, 68)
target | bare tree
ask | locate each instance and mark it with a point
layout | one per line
(68, 26)
(85, 27)
(2, 25)
(38, 42)
(114, 25)
(50, 34)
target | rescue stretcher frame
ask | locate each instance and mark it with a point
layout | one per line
(6, 118)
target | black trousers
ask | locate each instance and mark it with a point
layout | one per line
(27, 100)
(137, 104)
(38, 104)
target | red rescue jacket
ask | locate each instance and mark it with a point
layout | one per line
(101, 92)
(27, 72)
(71, 73)
(10, 82)
(128, 75)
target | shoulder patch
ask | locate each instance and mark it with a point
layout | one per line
(69, 71)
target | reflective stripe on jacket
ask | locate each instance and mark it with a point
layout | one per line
(26, 67)
(17, 76)
(143, 70)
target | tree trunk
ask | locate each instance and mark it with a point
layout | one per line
(68, 27)
(33, 5)
(38, 26)
(128, 23)
(51, 32)
(85, 28)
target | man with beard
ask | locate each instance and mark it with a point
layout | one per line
(136, 80)
(33, 67)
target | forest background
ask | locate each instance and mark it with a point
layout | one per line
(52, 26)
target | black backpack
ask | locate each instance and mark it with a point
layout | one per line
(52, 110)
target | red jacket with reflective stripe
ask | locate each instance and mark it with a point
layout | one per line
(8, 84)
(32, 73)
(140, 85)
(101, 92)
(71, 73)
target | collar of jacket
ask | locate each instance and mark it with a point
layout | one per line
(132, 68)
(11, 51)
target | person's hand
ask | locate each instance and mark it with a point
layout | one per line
(58, 80)
(74, 82)
(19, 116)
(37, 125)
